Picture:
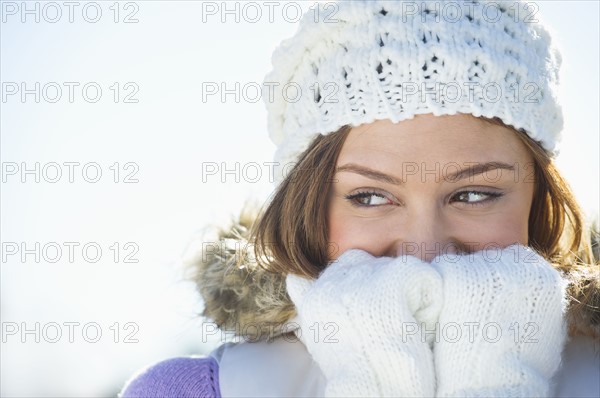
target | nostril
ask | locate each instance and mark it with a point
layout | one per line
(452, 249)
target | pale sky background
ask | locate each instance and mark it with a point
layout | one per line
(163, 141)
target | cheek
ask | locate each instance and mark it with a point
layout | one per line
(351, 232)
(506, 227)
(501, 232)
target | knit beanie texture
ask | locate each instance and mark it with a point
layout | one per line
(354, 62)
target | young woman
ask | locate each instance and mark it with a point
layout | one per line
(420, 241)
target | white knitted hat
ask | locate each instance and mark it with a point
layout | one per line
(354, 62)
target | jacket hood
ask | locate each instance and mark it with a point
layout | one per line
(252, 303)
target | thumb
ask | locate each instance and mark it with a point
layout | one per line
(424, 292)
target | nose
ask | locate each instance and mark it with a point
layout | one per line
(425, 235)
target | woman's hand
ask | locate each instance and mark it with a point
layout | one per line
(501, 329)
(378, 308)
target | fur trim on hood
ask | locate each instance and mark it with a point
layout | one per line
(251, 302)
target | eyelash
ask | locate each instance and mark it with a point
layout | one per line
(364, 194)
(492, 196)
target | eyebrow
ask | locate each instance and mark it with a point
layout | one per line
(478, 168)
(467, 172)
(369, 173)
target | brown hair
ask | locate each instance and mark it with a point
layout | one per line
(291, 235)
(557, 227)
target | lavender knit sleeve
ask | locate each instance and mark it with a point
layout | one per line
(176, 377)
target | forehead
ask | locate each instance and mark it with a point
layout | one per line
(433, 139)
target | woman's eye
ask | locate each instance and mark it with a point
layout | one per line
(368, 199)
(476, 197)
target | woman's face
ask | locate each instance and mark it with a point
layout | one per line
(430, 186)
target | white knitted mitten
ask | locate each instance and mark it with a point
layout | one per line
(501, 327)
(369, 312)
